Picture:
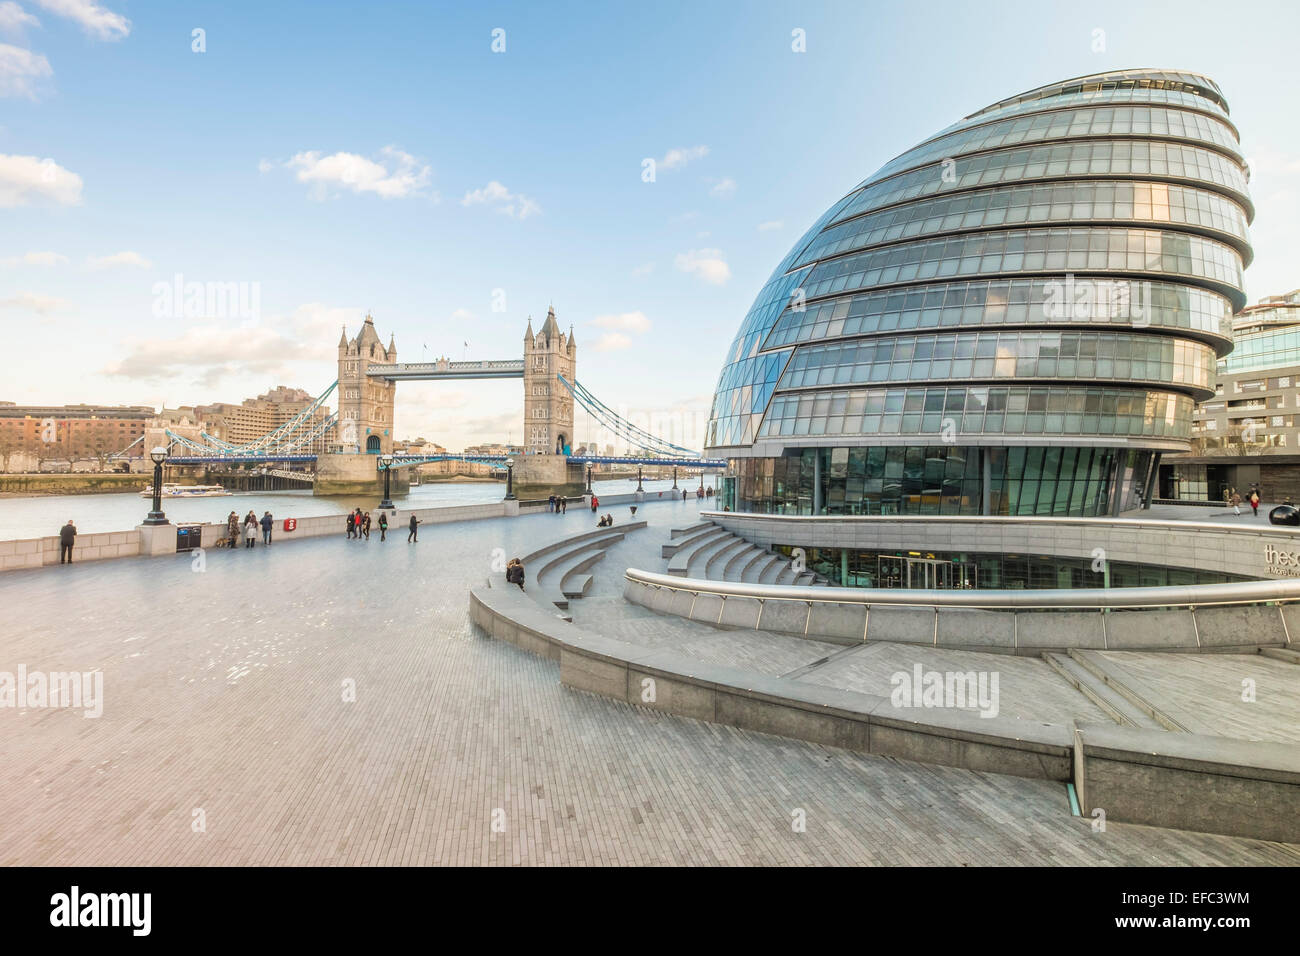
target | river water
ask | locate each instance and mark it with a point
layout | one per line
(41, 516)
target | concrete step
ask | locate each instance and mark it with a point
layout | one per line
(689, 529)
(681, 560)
(687, 540)
(1116, 705)
(1281, 654)
(749, 569)
(772, 568)
(697, 563)
(1118, 680)
(715, 567)
(739, 561)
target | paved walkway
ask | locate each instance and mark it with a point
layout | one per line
(225, 693)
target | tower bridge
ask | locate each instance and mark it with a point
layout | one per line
(363, 426)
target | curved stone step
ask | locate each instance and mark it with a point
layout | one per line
(717, 562)
(773, 568)
(753, 569)
(739, 561)
(699, 559)
(681, 560)
(689, 537)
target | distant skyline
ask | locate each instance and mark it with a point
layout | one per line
(315, 162)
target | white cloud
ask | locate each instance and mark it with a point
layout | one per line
(462, 315)
(99, 22)
(502, 200)
(396, 175)
(34, 259)
(283, 345)
(612, 342)
(14, 20)
(624, 321)
(706, 264)
(124, 258)
(20, 70)
(23, 178)
(265, 165)
(724, 188)
(35, 302)
(644, 270)
(770, 225)
(677, 158)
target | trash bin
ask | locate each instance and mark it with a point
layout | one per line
(189, 537)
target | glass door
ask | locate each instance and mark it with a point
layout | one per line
(893, 572)
(929, 573)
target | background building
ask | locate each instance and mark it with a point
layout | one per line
(31, 435)
(1016, 316)
(255, 417)
(365, 422)
(548, 405)
(1248, 434)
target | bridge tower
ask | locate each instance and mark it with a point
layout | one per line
(365, 424)
(548, 405)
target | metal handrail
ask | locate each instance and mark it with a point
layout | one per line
(1018, 519)
(1193, 595)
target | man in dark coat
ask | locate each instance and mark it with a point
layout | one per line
(67, 534)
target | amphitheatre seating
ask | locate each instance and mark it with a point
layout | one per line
(713, 553)
(557, 571)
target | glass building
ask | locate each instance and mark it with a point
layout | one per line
(1247, 436)
(1015, 317)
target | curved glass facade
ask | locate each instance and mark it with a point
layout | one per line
(1042, 287)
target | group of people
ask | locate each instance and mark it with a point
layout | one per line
(1231, 497)
(247, 529)
(359, 525)
(606, 521)
(559, 504)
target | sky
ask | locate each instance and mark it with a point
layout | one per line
(456, 168)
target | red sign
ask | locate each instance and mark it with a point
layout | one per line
(290, 524)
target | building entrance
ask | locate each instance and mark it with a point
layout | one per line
(926, 573)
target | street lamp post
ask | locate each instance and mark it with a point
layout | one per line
(674, 477)
(701, 479)
(386, 462)
(588, 479)
(510, 479)
(159, 455)
(638, 478)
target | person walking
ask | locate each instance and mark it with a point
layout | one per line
(365, 525)
(352, 523)
(1254, 503)
(250, 530)
(232, 530)
(1236, 504)
(67, 535)
(383, 526)
(564, 505)
(595, 503)
(267, 523)
(413, 534)
(550, 503)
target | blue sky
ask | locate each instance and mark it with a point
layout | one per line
(340, 158)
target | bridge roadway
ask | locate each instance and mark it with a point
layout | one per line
(228, 697)
(430, 371)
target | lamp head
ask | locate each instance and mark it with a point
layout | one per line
(510, 462)
(159, 455)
